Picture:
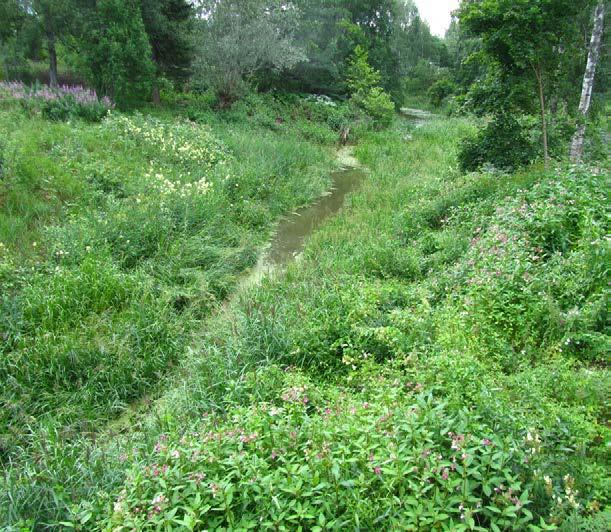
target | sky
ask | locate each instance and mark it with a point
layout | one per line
(437, 13)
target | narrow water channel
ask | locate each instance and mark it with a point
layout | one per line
(292, 231)
(289, 239)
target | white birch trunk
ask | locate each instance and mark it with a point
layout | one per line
(588, 82)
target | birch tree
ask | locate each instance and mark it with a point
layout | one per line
(588, 82)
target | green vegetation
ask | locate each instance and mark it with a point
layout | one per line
(116, 240)
(436, 358)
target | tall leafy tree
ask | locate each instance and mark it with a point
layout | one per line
(118, 53)
(576, 151)
(12, 16)
(168, 24)
(525, 38)
(236, 39)
(55, 20)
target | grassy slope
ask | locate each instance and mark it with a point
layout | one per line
(485, 291)
(473, 304)
(106, 272)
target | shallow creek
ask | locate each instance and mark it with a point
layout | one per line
(290, 236)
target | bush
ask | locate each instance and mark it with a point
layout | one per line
(363, 81)
(440, 90)
(379, 106)
(503, 144)
(59, 104)
(313, 458)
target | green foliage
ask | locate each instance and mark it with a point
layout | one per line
(366, 94)
(237, 40)
(117, 239)
(118, 53)
(361, 77)
(168, 24)
(315, 458)
(440, 90)
(503, 144)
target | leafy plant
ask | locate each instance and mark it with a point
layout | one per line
(503, 144)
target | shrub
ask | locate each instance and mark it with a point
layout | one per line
(503, 144)
(379, 106)
(363, 82)
(314, 458)
(59, 104)
(440, 90)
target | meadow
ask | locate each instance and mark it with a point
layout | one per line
(435, 360)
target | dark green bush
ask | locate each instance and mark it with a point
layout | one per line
(68, 108)
(503, 144)
(440, 90)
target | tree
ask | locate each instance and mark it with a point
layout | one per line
(524, 36)
(12, 17)
(168, 24)
(54, 17)
(363, 81)
(118, 53)
(236, 39)
(576, 151)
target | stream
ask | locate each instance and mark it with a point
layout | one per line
(290, 236)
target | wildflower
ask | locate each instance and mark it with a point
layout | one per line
(445, 474)
(377, 470)
(486, 442)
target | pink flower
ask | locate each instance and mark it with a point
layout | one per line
(486, 442)
(445, 474)
(377, 470)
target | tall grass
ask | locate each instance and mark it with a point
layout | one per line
(468, 308)
(481, 292)
(117, 240)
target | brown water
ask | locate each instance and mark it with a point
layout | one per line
(289, 239)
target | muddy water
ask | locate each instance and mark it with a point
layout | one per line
(289, 239)
(292, 231)
(291, 234)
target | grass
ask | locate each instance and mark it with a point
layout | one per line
(117, 239)
(436, 359)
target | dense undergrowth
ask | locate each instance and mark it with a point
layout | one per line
(435, 361)
(116, 240)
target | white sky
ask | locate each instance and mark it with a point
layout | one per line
(437, 14)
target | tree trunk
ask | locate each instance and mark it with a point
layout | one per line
(539, 75)
(52, 62)
(588, 82)
(50, 34)
(156, 97)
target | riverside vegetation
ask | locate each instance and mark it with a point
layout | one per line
(435, 360)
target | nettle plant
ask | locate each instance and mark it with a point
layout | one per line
(319, 459)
